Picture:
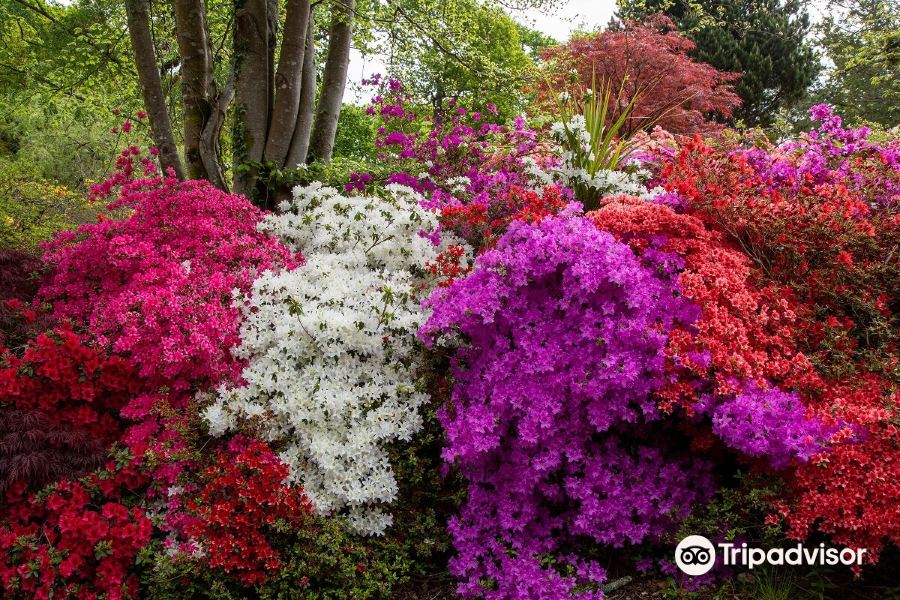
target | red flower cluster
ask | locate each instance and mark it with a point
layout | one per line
(745, 332)
(851, 493)
(791, 255)
(449, 266)
(68, 545)
(482, 224)
(243, 502)
(19, 279)
(75, 385)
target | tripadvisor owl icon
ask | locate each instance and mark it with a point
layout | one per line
(695, 555)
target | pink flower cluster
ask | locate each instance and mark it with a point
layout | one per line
(157, 286)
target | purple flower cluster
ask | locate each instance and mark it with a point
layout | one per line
(464, 158)
(565, 333)
(833, 153)
(768, 423)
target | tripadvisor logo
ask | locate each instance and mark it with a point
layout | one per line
(695, 555)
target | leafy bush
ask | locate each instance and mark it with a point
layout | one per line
(157, 286)
(331, 348)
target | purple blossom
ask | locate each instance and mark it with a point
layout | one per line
(565, 332)
(768, 423)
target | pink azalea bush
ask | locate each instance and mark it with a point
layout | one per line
(159, 285)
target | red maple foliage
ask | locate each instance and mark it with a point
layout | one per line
(653, 59)
(60, 407)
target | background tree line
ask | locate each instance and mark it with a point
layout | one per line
(241, 92)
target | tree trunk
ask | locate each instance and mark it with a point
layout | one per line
(252, 83)
(334, 80)
(196, 77)
(288, 82)
(138, 12)
(303, 128)
(210, 147)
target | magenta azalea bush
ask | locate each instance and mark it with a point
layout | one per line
(565, 332)
(158, 286)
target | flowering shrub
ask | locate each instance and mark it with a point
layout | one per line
(240, 499)
(331, 348)
(156, 286)
(564, 341)
(66, 544)
(60, 403)
(482, 224)
(466, 158)
(744, 331)
(815, 222)
(850, 494)
(20, 276)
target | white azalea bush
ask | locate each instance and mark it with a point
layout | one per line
(331, 348)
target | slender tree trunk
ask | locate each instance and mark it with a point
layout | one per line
(138, 12)
(288, 82)
(252, 84)
(334, 80)
(196, 78)
(210, 147)
(303, 128)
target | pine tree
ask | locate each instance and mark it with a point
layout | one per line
(764, 40)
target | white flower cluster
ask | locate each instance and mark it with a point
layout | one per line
(605, 182)
(331, 347)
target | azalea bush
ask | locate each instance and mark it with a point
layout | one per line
(455, 360)
(157, 286)
(331, 348)
(148, 298)
(530, 423)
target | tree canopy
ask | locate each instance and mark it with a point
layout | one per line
(861, 39)
(767, 41)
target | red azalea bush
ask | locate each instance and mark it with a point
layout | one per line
(482, 224)
(80, 539)
(813, 225)
(744, 331)
(60, 407)
(652, 61)
(157, 286)
(242, 503)
(20, 278)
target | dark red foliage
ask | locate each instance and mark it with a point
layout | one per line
(654, 59)
(60, 407)
(35, 451)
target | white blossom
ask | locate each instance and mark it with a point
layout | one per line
(331, 348)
